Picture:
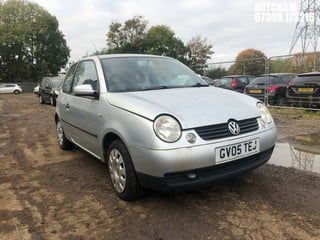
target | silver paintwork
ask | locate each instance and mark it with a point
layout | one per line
(130, 115)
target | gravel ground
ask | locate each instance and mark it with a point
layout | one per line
(47, 193)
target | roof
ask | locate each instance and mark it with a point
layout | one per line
(309, 74)
(120, 55)
(239, 76)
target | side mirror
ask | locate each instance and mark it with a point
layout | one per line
(85, 90)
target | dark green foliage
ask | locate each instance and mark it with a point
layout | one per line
(161, 40)
(127, 38)
(134, 37)
(31, 45)
(216, 72)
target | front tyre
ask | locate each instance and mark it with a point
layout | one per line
(122, 172)
(63, 142)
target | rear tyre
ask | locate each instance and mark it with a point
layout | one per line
(41, 99)
(122, 173)
(63, 142)
(52, 101)
(16, 91)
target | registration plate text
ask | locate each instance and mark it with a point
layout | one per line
(237, 151)
(305, 90)
(255, 91)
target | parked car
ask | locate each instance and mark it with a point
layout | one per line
(304, 90)
(36, 90)
(157, 125)
(10, 88)
(208, 80)
(49, 89)
(272, 86)
(233, 82)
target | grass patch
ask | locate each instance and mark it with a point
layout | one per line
(294, 113)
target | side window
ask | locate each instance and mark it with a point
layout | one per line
(287, 79)
(86, 73)
(243, 80)
(68, 79)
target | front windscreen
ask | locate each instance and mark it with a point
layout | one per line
(124, 74)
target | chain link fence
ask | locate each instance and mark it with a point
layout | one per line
(269, 78)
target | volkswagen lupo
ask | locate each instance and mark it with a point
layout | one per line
(156, 124)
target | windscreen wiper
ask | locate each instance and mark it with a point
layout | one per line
(199, 85)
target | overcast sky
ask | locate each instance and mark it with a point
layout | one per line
(229, 25)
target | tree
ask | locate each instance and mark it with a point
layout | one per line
(199, 51)
(128, 37)
(215, 73)
(300, 63)
(279, 65)
(250, 62)
(133, 37)
(31, 44)
(161, 40)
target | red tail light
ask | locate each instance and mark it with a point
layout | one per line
(273, 88)
(234, 83)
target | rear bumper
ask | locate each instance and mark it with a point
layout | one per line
(305, 101)
(185, 180)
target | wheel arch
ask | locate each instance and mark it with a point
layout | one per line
(56, 117)
(107, 140)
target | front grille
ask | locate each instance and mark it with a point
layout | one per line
(221, 130)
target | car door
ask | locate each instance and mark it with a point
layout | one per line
(44, 88)
(79, 113)
(7, 88)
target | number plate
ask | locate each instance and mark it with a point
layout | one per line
(255, 91)
(305, 90)
(237, 151)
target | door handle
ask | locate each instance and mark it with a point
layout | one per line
(67, 106)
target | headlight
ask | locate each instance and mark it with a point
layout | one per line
(265, 114)
(167, 128)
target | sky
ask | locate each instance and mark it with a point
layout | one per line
(229, 25)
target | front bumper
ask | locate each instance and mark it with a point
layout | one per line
(185, 180)
(157, 167)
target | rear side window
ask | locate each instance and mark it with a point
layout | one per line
(264, 80)
(224, 81)
(243, 80)
(286, 79)
(307, 79)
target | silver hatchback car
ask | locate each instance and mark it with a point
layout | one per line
(156, 124)
(10, 88)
